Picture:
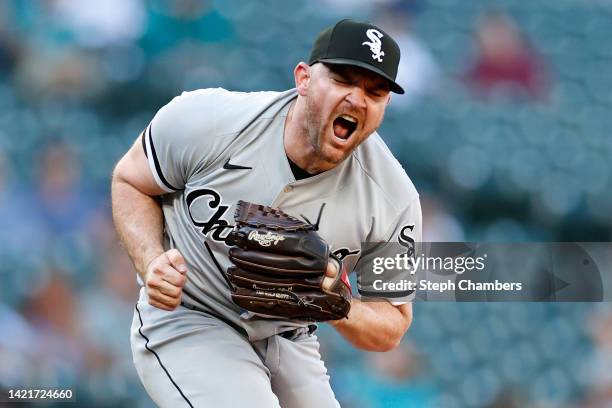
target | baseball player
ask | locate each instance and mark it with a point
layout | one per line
(174, 194)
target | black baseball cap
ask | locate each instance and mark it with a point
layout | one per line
(361, 44)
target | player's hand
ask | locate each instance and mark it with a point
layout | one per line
(330, 275)
(164, 279)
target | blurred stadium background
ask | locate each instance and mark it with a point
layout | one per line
(505, 130)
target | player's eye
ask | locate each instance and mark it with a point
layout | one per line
(377, 93)
(340, 80)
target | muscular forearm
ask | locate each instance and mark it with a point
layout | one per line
(375, 326)
(139, 223)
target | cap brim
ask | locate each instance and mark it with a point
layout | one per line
(393, 86)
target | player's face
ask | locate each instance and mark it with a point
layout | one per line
(344, 105)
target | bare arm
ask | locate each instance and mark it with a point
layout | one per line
(139, 222)
(136, 212)
(375, 326)
(372, 326)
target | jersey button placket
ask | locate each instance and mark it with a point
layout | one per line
(288, 189)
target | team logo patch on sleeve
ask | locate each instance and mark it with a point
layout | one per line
(406, 240)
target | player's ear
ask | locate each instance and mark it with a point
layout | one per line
(301, 73)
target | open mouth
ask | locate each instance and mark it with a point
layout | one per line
(344, 126)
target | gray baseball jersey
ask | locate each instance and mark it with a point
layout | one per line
(210, 148)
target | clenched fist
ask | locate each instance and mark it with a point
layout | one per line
(164, 279)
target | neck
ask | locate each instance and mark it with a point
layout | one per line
(297, 144)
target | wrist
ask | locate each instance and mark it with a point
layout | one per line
(147, 259)
(338, 323)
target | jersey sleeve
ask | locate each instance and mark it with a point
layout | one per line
(182, 138)
(402, 238)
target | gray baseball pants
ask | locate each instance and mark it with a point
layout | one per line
(188, 358)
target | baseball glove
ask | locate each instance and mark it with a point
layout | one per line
(280, 263)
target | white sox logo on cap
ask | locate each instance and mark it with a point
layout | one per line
(375, 44)
(343, 44)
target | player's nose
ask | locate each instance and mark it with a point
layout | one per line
(357, 97)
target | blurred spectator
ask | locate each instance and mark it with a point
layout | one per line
(365, 9)
(10, 52)
(599, 365)
(101, 24)
(58, 72)
(60, 350)
(17, 349)
(19, 233)
(106, 307)
(418, 72)
(439, 225)
(105, 315)
(9, 45)
(60, 197)
(505, 64)
(67, 206)
(508, 398)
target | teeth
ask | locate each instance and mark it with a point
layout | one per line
(349, 118)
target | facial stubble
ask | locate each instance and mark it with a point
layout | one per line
(315, 129)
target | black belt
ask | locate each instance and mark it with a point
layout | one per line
(290, 334)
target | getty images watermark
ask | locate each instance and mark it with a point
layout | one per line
(457, 265)
(460, 271)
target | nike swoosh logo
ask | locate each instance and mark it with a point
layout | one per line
(229, 166)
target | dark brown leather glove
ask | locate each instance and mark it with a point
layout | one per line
(280, 266)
